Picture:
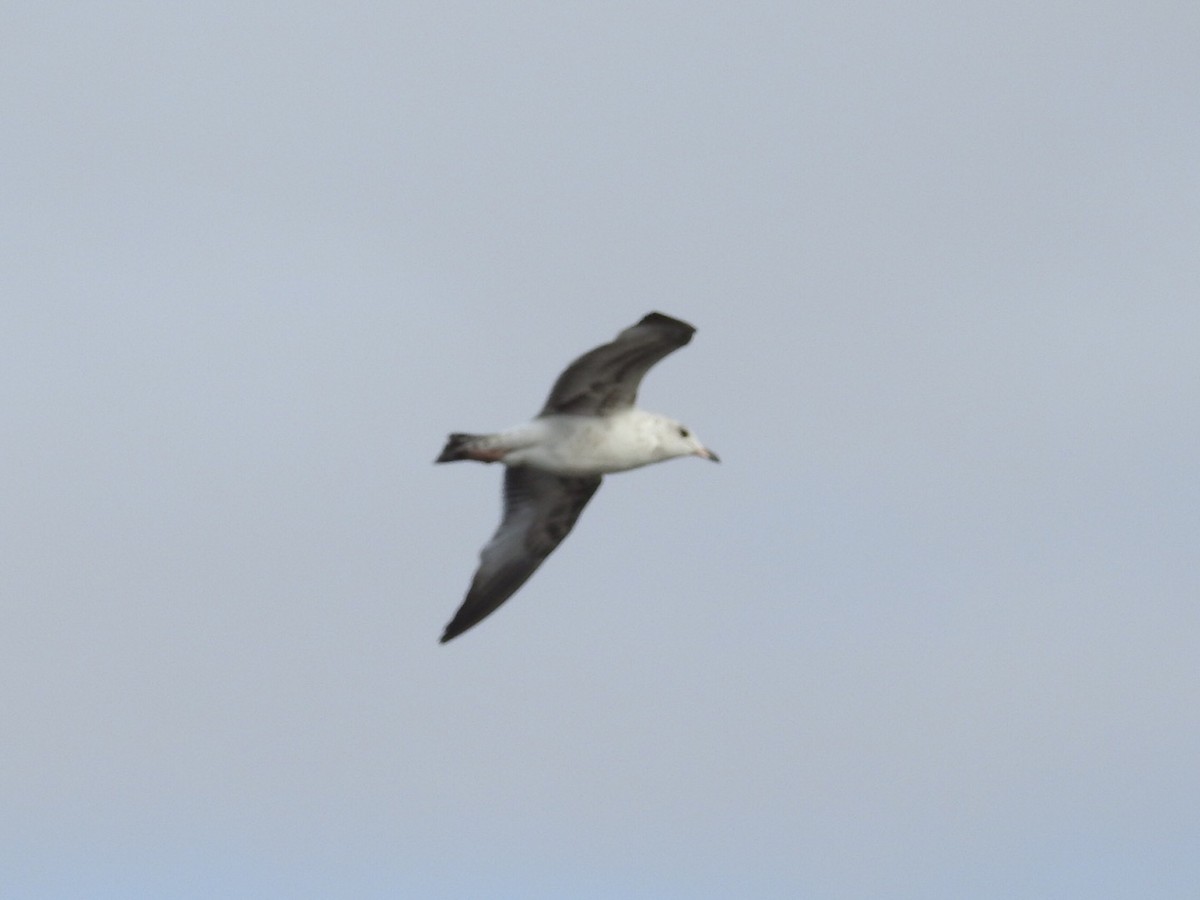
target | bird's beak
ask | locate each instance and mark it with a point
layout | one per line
(705, 453)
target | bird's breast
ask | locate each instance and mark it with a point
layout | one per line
(577, 445)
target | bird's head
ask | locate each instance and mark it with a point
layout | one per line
(676, 439)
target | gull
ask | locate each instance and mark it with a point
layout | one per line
(588, 428)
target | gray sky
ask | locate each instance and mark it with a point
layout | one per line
(930, 631)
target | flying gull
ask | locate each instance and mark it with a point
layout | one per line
(589, 427)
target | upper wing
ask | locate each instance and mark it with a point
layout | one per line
(607, 378)
(539, 511)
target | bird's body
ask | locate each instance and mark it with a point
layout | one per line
(588, 428)
(580, 445)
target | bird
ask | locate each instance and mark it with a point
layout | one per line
(589, 427)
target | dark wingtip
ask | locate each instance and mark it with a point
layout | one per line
(662, 320)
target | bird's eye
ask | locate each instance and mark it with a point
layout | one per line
(683, 432)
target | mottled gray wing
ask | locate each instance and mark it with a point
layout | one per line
(539, 511)
(607, 378)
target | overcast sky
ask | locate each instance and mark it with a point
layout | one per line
(931, 630)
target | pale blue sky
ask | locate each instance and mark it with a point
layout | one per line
(931, 630)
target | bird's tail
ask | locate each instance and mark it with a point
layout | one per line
(458, 446)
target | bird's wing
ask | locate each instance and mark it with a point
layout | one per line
(539, 511)
(607, 378)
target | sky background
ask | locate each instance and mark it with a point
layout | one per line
(931, 630)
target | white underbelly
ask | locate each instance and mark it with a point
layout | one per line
(578, 446)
